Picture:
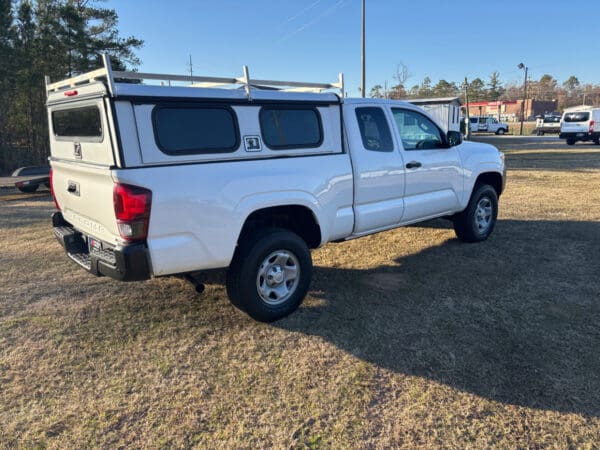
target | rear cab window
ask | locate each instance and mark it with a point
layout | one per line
(374, 129)
(551, 119)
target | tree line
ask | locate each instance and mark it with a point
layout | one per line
(569, 93)
(58, 38)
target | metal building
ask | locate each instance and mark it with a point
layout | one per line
(445, 110)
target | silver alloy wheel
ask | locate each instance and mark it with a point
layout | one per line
(278, 276)
(483, 215)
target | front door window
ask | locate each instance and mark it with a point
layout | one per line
(417, 132)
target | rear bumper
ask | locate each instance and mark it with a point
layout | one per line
(580, 136)
(124, 262)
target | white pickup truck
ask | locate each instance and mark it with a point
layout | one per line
(152, 180)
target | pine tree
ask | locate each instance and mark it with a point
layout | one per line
(58, 38)
(495, 88)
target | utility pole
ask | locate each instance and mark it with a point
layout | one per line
(191, 69)
(523, 66)
(363, 88)
(467, 121)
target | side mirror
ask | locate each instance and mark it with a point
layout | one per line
(454, 138)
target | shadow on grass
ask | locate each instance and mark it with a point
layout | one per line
(515, 319)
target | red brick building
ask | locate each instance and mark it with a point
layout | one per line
(510, 110)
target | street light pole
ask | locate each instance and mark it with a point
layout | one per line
(363, 82)
(523, 66)
(467, 119)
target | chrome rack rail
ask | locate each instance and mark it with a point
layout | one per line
(106, 73)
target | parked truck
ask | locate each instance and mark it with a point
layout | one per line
(156, 180)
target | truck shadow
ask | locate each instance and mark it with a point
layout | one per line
(514, 319)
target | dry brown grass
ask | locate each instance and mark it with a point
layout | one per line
(407, 339)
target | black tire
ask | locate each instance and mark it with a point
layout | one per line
(570, 141)
(255, 260)
(468, 223)
(28, 189)
(501, 131)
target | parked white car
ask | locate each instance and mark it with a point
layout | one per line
(156, 180)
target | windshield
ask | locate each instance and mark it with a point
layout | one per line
(576, 116)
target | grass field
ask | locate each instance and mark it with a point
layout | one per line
(408, 338)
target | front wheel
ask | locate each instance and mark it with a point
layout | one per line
(477, 221)
(270, 274)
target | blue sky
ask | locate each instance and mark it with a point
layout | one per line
(314, 40)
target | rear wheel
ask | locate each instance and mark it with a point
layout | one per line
(270, 274)
(570, 141)
(501, 131)
(477, 221)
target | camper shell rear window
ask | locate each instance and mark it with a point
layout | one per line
(195, 129)
(83, 122)
(581, 116)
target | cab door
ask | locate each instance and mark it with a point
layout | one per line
(377, 166)
(434, 175)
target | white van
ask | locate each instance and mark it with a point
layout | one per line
(580, 123)
(484, 124)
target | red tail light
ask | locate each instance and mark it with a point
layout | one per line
(592, 126)
(52, 190)
(132, 209)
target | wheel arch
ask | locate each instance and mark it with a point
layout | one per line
(293, 217)
(494, 179)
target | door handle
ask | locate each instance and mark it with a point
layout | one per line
(73, 188)
(413, 165)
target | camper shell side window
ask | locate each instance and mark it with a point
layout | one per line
(188, 129)
(291, 127)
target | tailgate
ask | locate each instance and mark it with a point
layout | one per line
(85, 197)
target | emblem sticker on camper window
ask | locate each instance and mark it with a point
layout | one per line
(252, 143)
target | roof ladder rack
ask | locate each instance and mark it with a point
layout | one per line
(106, 73)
